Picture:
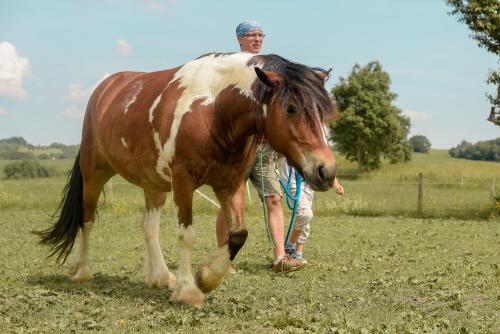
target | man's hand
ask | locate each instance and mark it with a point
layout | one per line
(338, 187)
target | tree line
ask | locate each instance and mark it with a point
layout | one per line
(17, 148)
(488, 150)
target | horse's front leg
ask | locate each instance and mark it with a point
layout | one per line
(214, 268)
(185, 289)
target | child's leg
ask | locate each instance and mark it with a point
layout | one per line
(302, 221)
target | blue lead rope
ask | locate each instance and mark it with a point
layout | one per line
(292, 200)
(288, 195)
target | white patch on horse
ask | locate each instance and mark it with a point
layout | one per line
(185, 289)
(155, 269)
(186, 236)
(80, 269)
(153, 107)
(326, 132)
(132, 96)
(163, 161)
(204, 78)
(124, 143)
(322, 126)
(264, 109)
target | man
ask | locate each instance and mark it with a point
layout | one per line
(250, 36)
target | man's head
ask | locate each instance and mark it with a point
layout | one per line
(250, 36)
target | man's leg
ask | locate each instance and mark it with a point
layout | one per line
(264, 177)
(275, 224)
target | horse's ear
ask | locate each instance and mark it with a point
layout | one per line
(324, 75)
(270, 79)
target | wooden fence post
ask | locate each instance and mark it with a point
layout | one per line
(420, 194)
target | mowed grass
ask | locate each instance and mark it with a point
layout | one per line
(389, 273)
(365, 274)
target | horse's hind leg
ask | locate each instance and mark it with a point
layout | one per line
(155, 269)
(214, 268)
(93, 181)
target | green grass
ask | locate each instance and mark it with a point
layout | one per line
(453, 188)
(387, 273)
(373, 274)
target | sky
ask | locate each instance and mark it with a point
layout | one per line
(54, 53)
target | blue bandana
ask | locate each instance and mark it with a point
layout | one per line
(247, 26)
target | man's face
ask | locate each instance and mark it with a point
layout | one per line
(252, 41)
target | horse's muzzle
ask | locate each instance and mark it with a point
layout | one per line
(321, 178)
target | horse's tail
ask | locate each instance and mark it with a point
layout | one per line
(68, 216)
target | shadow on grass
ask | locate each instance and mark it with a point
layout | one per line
(112, 286)
(246, 267)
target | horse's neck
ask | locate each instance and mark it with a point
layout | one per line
(236, 124)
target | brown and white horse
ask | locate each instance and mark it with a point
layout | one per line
(181, 128)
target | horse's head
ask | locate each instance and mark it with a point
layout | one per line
(296, 105)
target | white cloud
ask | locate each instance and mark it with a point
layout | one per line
(13, 69)
(416, 116)
(123, 47)
(73, 112)
(3, 111)
(76, 91)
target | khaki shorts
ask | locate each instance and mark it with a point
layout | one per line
(269, 171)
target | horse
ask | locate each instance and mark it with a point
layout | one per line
(178, 129)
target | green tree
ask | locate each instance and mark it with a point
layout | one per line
(370, 126)
(483, 19)
(420, 144)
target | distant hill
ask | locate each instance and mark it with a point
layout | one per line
(16, 148)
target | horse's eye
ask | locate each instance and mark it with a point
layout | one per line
(290, 110)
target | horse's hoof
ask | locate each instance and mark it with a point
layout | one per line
(206, 280)
(189, 295)
(162, 281)
(80, 274)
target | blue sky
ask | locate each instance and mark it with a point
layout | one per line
(53, 52)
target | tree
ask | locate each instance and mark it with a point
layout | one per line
(483, 19)
(370, 126)
(420, 144)
(27, 169)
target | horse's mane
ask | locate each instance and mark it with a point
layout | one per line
(302, 88)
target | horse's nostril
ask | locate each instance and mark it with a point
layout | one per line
(322, 173)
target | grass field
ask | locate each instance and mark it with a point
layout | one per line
(385, 273)
(453, 188)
